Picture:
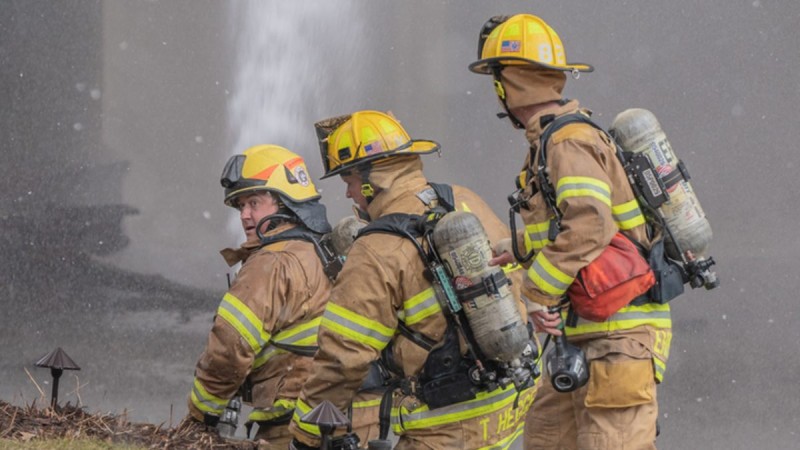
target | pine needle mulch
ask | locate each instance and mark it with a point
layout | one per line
(30, 423)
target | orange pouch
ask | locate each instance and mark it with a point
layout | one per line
(611, 281)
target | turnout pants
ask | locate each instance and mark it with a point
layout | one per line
(616, 409)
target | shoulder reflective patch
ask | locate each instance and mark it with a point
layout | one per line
(465, 207)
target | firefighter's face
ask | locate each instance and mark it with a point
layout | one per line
(254, 207)
(353, 191)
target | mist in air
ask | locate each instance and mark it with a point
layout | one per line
(117, 117)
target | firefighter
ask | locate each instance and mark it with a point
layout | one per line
(383, 304)
(627, 354)
(264, 333)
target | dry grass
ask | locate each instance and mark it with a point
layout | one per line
(69, 427)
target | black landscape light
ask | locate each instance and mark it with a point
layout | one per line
(57, 361)
(328, 418)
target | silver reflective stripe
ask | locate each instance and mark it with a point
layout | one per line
(456, 409)
(357, 329)
(208, 404)
(549, 279)
(581, 186)
(245, 323)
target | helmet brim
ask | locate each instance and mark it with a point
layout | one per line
(229, 198)
(416, 147)
(485, 66)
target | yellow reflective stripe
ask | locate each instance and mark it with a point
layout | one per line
(421, 306)
(464, 207)
(536, 235)
(628, 215)
(367, 403)
(301, 408)
(265, 354)
(582, 187)
(660, 367)
(279, 409)
(301, 334)
(510, 441)
(653, 314)
(511, 267)
(206, 402)
(356, 327)
(484, 403)
(244, 321)
(547, 277)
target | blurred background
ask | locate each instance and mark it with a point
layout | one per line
(116, 118)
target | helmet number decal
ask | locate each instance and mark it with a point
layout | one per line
(545, 53)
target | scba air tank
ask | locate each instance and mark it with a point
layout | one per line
(638, 131)
(497, 324)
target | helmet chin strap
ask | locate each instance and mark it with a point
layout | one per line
(501, 94)
(367, 189)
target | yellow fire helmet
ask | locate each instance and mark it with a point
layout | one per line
(520, 40)
(365, 136)
(268, 168)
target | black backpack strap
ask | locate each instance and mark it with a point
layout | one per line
(551, 124)
(331, 263)
(400, 224)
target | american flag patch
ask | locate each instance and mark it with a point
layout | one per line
(372, 148)
(509, 46)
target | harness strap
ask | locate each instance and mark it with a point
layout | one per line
(490, 286)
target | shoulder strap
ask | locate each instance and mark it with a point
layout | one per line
(400, 224)
(553, 124)
(331, 263)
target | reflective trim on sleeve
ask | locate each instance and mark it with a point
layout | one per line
(628, 215)
(301, 335)
(582, 187)
(547, 277)
(421, 306)
(302, 408)
(465, 207)
(244, 321)
(265, 354)
(280, 408)
(356, 327)
(206, 402)
(536, 236)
